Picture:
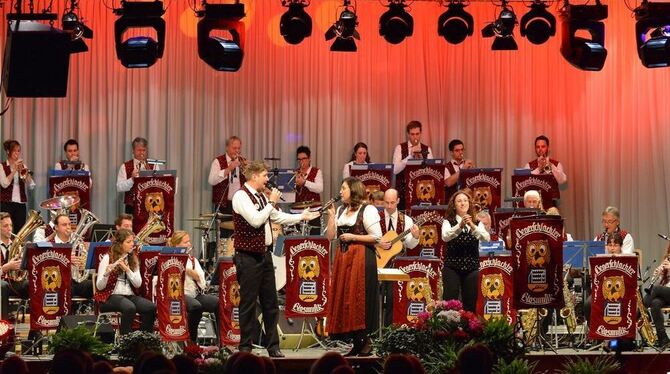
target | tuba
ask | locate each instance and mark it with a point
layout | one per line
(154, 224)
(17, 247)
(87, 220)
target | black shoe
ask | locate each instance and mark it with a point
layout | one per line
(662, 343)
(275, 353)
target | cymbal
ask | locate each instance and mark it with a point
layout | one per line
(227, 225)
(60, 202)
(219, 215)
(198, 219)
(305, 204)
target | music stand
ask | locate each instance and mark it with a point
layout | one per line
(101, 232)
(90, 257)
(284, 179)
(376, 166)
(522, 171)
(158, 173)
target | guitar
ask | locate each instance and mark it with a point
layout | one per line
(386, 255)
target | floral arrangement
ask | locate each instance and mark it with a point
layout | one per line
(130, 346)
(209, 359)
(448, 320)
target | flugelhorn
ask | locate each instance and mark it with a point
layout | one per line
(154, 224)
(87, 220)
(17, 247)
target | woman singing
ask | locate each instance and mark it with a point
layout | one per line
(194, 284)
(116, 279)
(359, 156)
(14, 179)
(353, 312)
(462, 233)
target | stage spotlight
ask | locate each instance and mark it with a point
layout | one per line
(76, 27)
(344, 30)
(582, 53)
(455, 24)
(538, 24)
(503, 30)
(139, 51)
(396, 24)
(653, 34)
(221, 53)
(295, 25)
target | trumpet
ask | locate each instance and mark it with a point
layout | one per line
(23, 170)
(111, 267)
(546, 169)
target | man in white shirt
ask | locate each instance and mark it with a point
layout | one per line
(72, 161)
(308, 184)
(225, 175)
(452, 170)
(62, 235)
(125, 179)
(610, 222)
(391, 219)
(412, 149)
(545, 165)
(19, 289)
(532, 200)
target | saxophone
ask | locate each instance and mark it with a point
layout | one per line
(530, 323)
(646, 331)
(568, 311)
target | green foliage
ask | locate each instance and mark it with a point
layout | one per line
(440, 359)
(601, 365)
(405, 340)
(131, 346)
(499, 336)
(78, 338)
(516, 366)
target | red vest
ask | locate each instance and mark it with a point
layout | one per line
(533, 164)
(130, 166)
(400, 227)
(400, 177)
(102, 295)
(305, 194)
(6, 193)
(218, 189)
(247, 237)
(622, 233)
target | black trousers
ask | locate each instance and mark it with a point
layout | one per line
(83, 289)
(14, 289)
(128, 306)
(658, 298)
(195, 306)
(461, 285)
(18, 213)
(256, 275)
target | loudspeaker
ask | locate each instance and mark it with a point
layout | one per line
(206, 332)
(289, 332)
(105, 331)
(36, 61)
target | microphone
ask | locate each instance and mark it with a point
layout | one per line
(664, 237)
(271, 185)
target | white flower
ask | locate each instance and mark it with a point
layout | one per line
(451, 316)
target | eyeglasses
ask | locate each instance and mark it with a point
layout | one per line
(609, 221)
(303, 159)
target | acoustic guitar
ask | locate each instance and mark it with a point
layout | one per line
(386, 255)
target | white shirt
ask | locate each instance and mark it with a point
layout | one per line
(122, 286)
(218, 175)
(556, 171)
(124, 183)
(399, 163)
(449, 232)
(346, 171)
(628, 246)
(410, 241)
(16, 191)
(370, 220)
(5, 250)
(248, 209)
(190, 283)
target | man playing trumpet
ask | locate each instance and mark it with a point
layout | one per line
(412, 149)
(225, 175)
(452, 170)
(125, 179)
(545, 165)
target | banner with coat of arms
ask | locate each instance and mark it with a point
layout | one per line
(307, 276)
(73, 185)
(229, 303)
(425, 183)
(170, 300)
(49, 280)
(413, 297)
(495, 298)
(537, 244)
(375, 177)
(485, 184)
(154, 195)
(545, 184)
(148, 261)
(430, 233)
(614, 293)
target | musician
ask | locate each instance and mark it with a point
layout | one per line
(118, 273)
(452, 170)
(354, 292)
(125, 179)
(63, 234)
(613, 246)
(532, 199)
(14, 179)
(252, 213)
(226, 176)
(462, 233)
(377, 199)
(412, 149)
(659, 298)
(194, 284)
(72, 161)
(545, 165)
(393, 220)
(484, 217)
(124, 221)
(308, 183)
(9, 288)
(610, 221)
(359, 156)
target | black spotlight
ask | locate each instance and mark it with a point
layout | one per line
(653, 34)
(344, 30)
(295, 25)
(76, 27)
(222, 54)
(538, 24)
(455, 24)
(503, 30)
(582, 53)
(139, 51)
(396, 24)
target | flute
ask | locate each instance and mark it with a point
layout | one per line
(113, 266)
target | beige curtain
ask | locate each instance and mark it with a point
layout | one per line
(608, 128)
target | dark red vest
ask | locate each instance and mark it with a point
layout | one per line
(533, 164)
(304, 194)
(247, 237)
(622, 233)
(102, 295)
(6, 193)
(218, 189)
(400, 223)
(130, 166)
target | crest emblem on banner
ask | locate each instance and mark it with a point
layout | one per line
(418, 297)
(539, 257)
(51, 283)
(425, 189)
(428, 235)
(174, 293)
(483, 196)
(308, 272)
(234, 291)
(613, 292)
(493, 289)
(370, 189)
(154, 202)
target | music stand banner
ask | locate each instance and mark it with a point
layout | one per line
(72, 185)
(375, 177)
(148, 259)
(538, 259)
(430, 233)
(49, 279)
(501, 219)
(170, 300)
(154, 195)
(486, 186)
(614, 293)
(229, 303)
(545, 184)
(495, 298)
(425, 183)
(414, 296)
(307, 276)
